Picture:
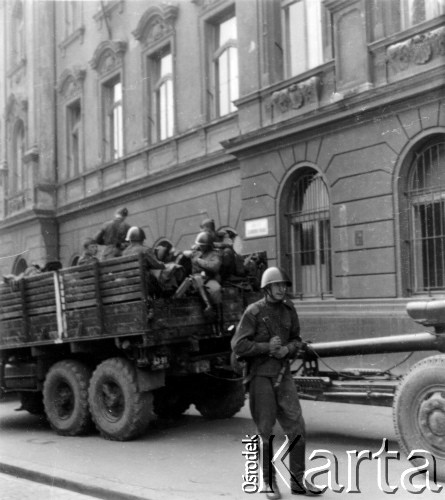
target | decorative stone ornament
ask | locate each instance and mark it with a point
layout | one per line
(297, 95)
(417, 50)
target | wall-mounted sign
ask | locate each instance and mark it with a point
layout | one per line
(256, 227)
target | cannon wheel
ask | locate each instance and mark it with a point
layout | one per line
(119, 409)
(65, 397)
(221, 400)
(419, 410)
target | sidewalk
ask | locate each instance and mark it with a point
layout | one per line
(14, 488)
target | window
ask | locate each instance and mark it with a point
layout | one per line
(72, 17)
(17, 34)
(18, 182)
(426, 201)
(20, 266)
(392, 16)
(74, 138)
(162, 101)
(113, 120)
(225, 88)
(417, 11)
(309, 236)
(307, 37)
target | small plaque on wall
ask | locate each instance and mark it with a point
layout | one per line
(256, 227)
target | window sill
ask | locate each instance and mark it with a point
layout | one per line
(408, 33)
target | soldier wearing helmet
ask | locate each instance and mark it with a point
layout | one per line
(112, 235)
(136, 237)
(206, 264)
(89, 254)
(268, 337)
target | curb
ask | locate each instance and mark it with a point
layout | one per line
(67, 484)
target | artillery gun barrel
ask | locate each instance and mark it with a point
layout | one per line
(398, 343)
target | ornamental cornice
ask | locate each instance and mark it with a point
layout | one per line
(70, 81)
(108, 55)
(156, 22)
(297, 95)
(417, 50)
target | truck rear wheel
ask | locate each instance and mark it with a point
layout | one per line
(221, 400)
(419, 410)
(65, 397)
(119, 409)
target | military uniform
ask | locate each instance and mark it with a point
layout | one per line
(272, 393)
(210, 263)
(112, 235)
(151, 263)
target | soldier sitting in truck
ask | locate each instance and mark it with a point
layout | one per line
(205, 277)
(223, 242)
(136, 237)
(14, 280)
(112, 235)
(89, 254)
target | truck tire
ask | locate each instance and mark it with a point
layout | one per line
(65, 397)
(221, 400)
(32, 402)
(170, 402)
(419, 410)
(119, 409)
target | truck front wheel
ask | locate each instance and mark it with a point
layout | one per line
(65, 397)
(119, 409)
(419, 410)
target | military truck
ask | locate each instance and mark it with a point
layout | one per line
(88, 345)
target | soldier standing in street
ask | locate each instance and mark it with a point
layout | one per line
(267, 338)
(112, 235)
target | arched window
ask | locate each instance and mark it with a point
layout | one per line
(309, 234)
(20, 266)
(426, 209)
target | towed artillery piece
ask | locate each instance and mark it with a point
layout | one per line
(417, 398)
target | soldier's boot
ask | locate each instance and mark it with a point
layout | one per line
(208, 311)
(297, 468)
(150, 308)
(219, 319)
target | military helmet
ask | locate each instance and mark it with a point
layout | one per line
(205, 239)
(274, 275)
(135, 233)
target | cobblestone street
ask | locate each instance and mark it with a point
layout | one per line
(14, 488)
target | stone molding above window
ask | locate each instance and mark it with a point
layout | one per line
(70, 82)
(156, 23)
(417, 50)
(297, 95)
(108, 56)
(75, 35)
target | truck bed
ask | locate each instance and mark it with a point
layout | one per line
(105, 299)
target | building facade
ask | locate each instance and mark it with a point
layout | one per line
(315, 129)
